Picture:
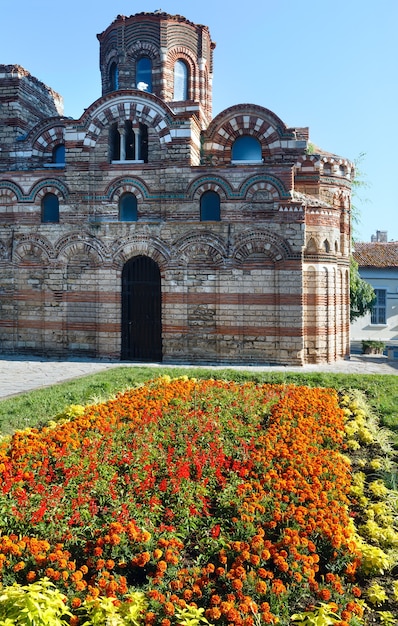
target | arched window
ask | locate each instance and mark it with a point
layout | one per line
(128, 142)
(210, 207)
(58, 155)
(143, 79)
(50, 209)
(246, 148)
(128, 208)
(114, 143)
(114, 77)
(180, 80)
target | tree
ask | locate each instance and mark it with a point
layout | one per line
(362, 295)
(359, 183)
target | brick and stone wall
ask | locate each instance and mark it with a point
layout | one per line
(266, 283)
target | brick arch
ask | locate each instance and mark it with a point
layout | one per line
(326, 246)
(209, 183)
(10, 191)
(311, 247)
(111, 57)
(57, 187)
(126, 185)
(334, 163)
(33, 244)
(141, 48)
(271, 184)
(200, 246)
(240, 120)
(125, 248)
(45, 142)
(185, 54)
(307, 161)
(147, 109)
(68, 246)
(261, 242)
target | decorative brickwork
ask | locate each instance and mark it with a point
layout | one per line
(252, 252)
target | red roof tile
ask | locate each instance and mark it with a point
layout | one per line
(376, 254)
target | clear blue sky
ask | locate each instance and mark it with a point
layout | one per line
(331, 66)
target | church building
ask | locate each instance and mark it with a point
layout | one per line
(149, 230)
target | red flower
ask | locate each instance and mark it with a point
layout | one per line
(215, 531)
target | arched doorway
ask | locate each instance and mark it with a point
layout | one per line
(141, 310)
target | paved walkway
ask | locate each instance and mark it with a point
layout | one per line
(19, 374)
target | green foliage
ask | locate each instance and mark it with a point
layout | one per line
(104, 611)
(373, 347)
(320, 616)
(386, 618)
(38, 604)
(191, 616)
(376, 594)
(362, 295)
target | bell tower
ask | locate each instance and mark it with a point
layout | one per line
(163, 54)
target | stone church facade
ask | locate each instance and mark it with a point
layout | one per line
(147, 230)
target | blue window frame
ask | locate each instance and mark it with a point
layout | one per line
(180, 80)
(210, 207)
(144, 74)
(128, 208)
(246, 148)
(378, 314)
(50, 209)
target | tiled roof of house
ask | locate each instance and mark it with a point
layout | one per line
(376, 254)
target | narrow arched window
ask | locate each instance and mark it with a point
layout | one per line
(180, 80)
(129, 141)
(246, 148)
(210, 207)
(50, 209)
(114, 143)
(114, 77)
(128, 208)
(58, 155)
(143, 77)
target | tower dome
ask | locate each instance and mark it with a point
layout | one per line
(163, 54)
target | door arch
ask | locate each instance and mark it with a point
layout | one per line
(141, 310)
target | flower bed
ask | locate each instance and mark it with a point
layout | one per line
(232, 498)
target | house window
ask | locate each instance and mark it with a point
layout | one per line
(378, 315)
(246, 148)
(128, 142)
(114, 77)
(180, 80)
(210, 207)
(58, 155)
(128, 208)
(144, 74)
(50, 209)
